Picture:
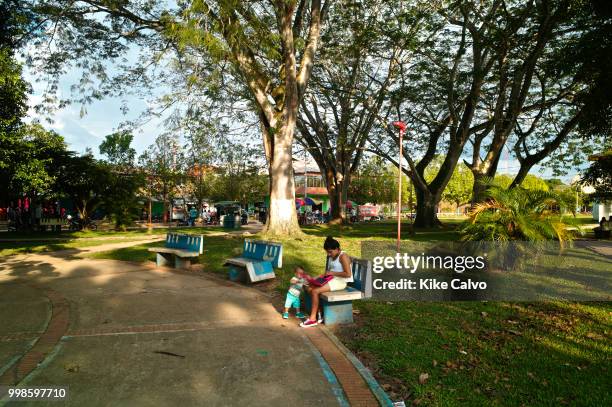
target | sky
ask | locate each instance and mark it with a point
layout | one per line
(100, 119)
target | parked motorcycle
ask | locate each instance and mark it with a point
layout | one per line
(80, 224)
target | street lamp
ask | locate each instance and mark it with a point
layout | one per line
(401, 126)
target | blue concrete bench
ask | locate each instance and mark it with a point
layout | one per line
(338, 305)
(257, 261)
(179, 250)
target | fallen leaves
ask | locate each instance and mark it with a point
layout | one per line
(423, 377)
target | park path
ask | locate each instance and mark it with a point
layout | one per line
(603, 247)
(120, 333)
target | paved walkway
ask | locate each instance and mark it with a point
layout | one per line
(126, 334)
(603, 247)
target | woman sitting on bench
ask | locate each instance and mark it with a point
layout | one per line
(339, 268)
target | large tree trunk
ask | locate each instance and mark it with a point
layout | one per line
(337, 190)
(426, 210)
(479, 188)
(520, 176)
(282, 216)
(334, 194)
(484, 172)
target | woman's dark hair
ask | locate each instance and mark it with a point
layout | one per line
(331, 243)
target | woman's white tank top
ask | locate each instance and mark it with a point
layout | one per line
(335, 265)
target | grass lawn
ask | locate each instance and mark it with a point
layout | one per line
(9, 248)
(487, 353)
(52, 241)
(33, 236)
(453, 353)
(583, 220)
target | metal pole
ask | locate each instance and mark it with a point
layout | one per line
(399, 192)
(402, 128)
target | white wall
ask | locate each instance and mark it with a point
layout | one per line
(602, 209)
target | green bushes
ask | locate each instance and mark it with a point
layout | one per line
(518, 214)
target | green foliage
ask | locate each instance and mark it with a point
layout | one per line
(458, 190)
(599, 176)
(517, 214)
(117, 149)
(203, 138)
(13, 95)
(531, 182)
(238, 175)
(32, 176)
(121, 197)
(163, 167)
(85, 182)
(376, 182)
(588, 58)
(29, 158)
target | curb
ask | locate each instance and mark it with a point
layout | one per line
(328, 373)
(378, 392)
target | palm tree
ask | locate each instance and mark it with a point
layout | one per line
(518, 214)
(511, 217)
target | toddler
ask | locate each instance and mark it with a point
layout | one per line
(293, 295)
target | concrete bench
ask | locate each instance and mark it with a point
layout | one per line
(179, 250)
(338, 305)
(257, 262)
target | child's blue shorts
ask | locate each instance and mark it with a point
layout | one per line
(292, 301)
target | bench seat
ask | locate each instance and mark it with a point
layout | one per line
(348, 294)
(257, 261)
(177, 252)
(240, 261)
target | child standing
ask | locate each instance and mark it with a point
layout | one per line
(293, 295)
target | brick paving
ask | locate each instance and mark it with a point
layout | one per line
(356, 389)
(56, 328)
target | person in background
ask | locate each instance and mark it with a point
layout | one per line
(193, 214)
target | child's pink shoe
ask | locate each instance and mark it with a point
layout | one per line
(308, 323)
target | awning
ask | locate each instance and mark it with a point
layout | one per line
(310, 201)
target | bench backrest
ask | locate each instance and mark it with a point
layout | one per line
(263, 250)
(192, 243)
(362, 275)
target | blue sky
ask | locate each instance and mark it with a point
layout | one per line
(101, 118)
